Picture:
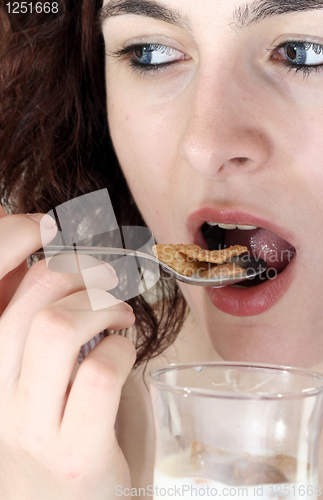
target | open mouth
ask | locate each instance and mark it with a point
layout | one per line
(261, 244)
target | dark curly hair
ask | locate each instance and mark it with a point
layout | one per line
(54, 137)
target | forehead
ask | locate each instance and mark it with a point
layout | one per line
(183, 14)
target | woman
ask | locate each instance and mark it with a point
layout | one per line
(214, 113)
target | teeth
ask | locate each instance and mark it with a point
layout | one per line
(232, 226)
(227, 226)
(247, 228)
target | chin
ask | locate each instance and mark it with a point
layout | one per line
(283, 335)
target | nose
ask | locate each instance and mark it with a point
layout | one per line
(224, 130)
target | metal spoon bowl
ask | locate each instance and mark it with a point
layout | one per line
(253, 267)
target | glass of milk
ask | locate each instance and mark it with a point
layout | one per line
(236, 430)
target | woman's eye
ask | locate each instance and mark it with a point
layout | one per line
(300, 55)
(149, 56)
(156, 54)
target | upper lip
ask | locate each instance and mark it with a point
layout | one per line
(234, 216)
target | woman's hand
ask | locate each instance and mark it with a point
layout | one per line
(57, 438)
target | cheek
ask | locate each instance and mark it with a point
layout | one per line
(308, 140)
(147, 156)
(297, 132)
(146, 146)
(305, 138)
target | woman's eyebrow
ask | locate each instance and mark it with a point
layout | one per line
(259, 10)
(148, 8)
(243, 16)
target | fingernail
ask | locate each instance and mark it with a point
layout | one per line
(111, 269)
(127, 306)
(44, 220)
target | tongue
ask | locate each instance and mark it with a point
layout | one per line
(263, 244)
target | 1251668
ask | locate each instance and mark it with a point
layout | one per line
(31, 7)
(296, 491)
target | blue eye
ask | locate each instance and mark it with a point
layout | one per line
(296, 52)
(150, 56)
(155, 55)
(143, 55)
(300, 55)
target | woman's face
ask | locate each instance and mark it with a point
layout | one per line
(216, 114)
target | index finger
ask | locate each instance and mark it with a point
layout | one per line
(20, 236)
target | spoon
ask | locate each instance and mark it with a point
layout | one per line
(253, 267)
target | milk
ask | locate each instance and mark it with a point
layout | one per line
(174, 477)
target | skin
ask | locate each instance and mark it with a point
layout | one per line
(178, 134)
(229, 95)
(187, 124)
(54, 442)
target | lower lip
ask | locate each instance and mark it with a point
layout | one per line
(252, 301)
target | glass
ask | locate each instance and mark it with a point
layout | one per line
(236, 430)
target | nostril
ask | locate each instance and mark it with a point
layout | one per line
(241, 159)
(233, 162)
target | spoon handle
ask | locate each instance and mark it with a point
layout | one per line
(51, 250)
